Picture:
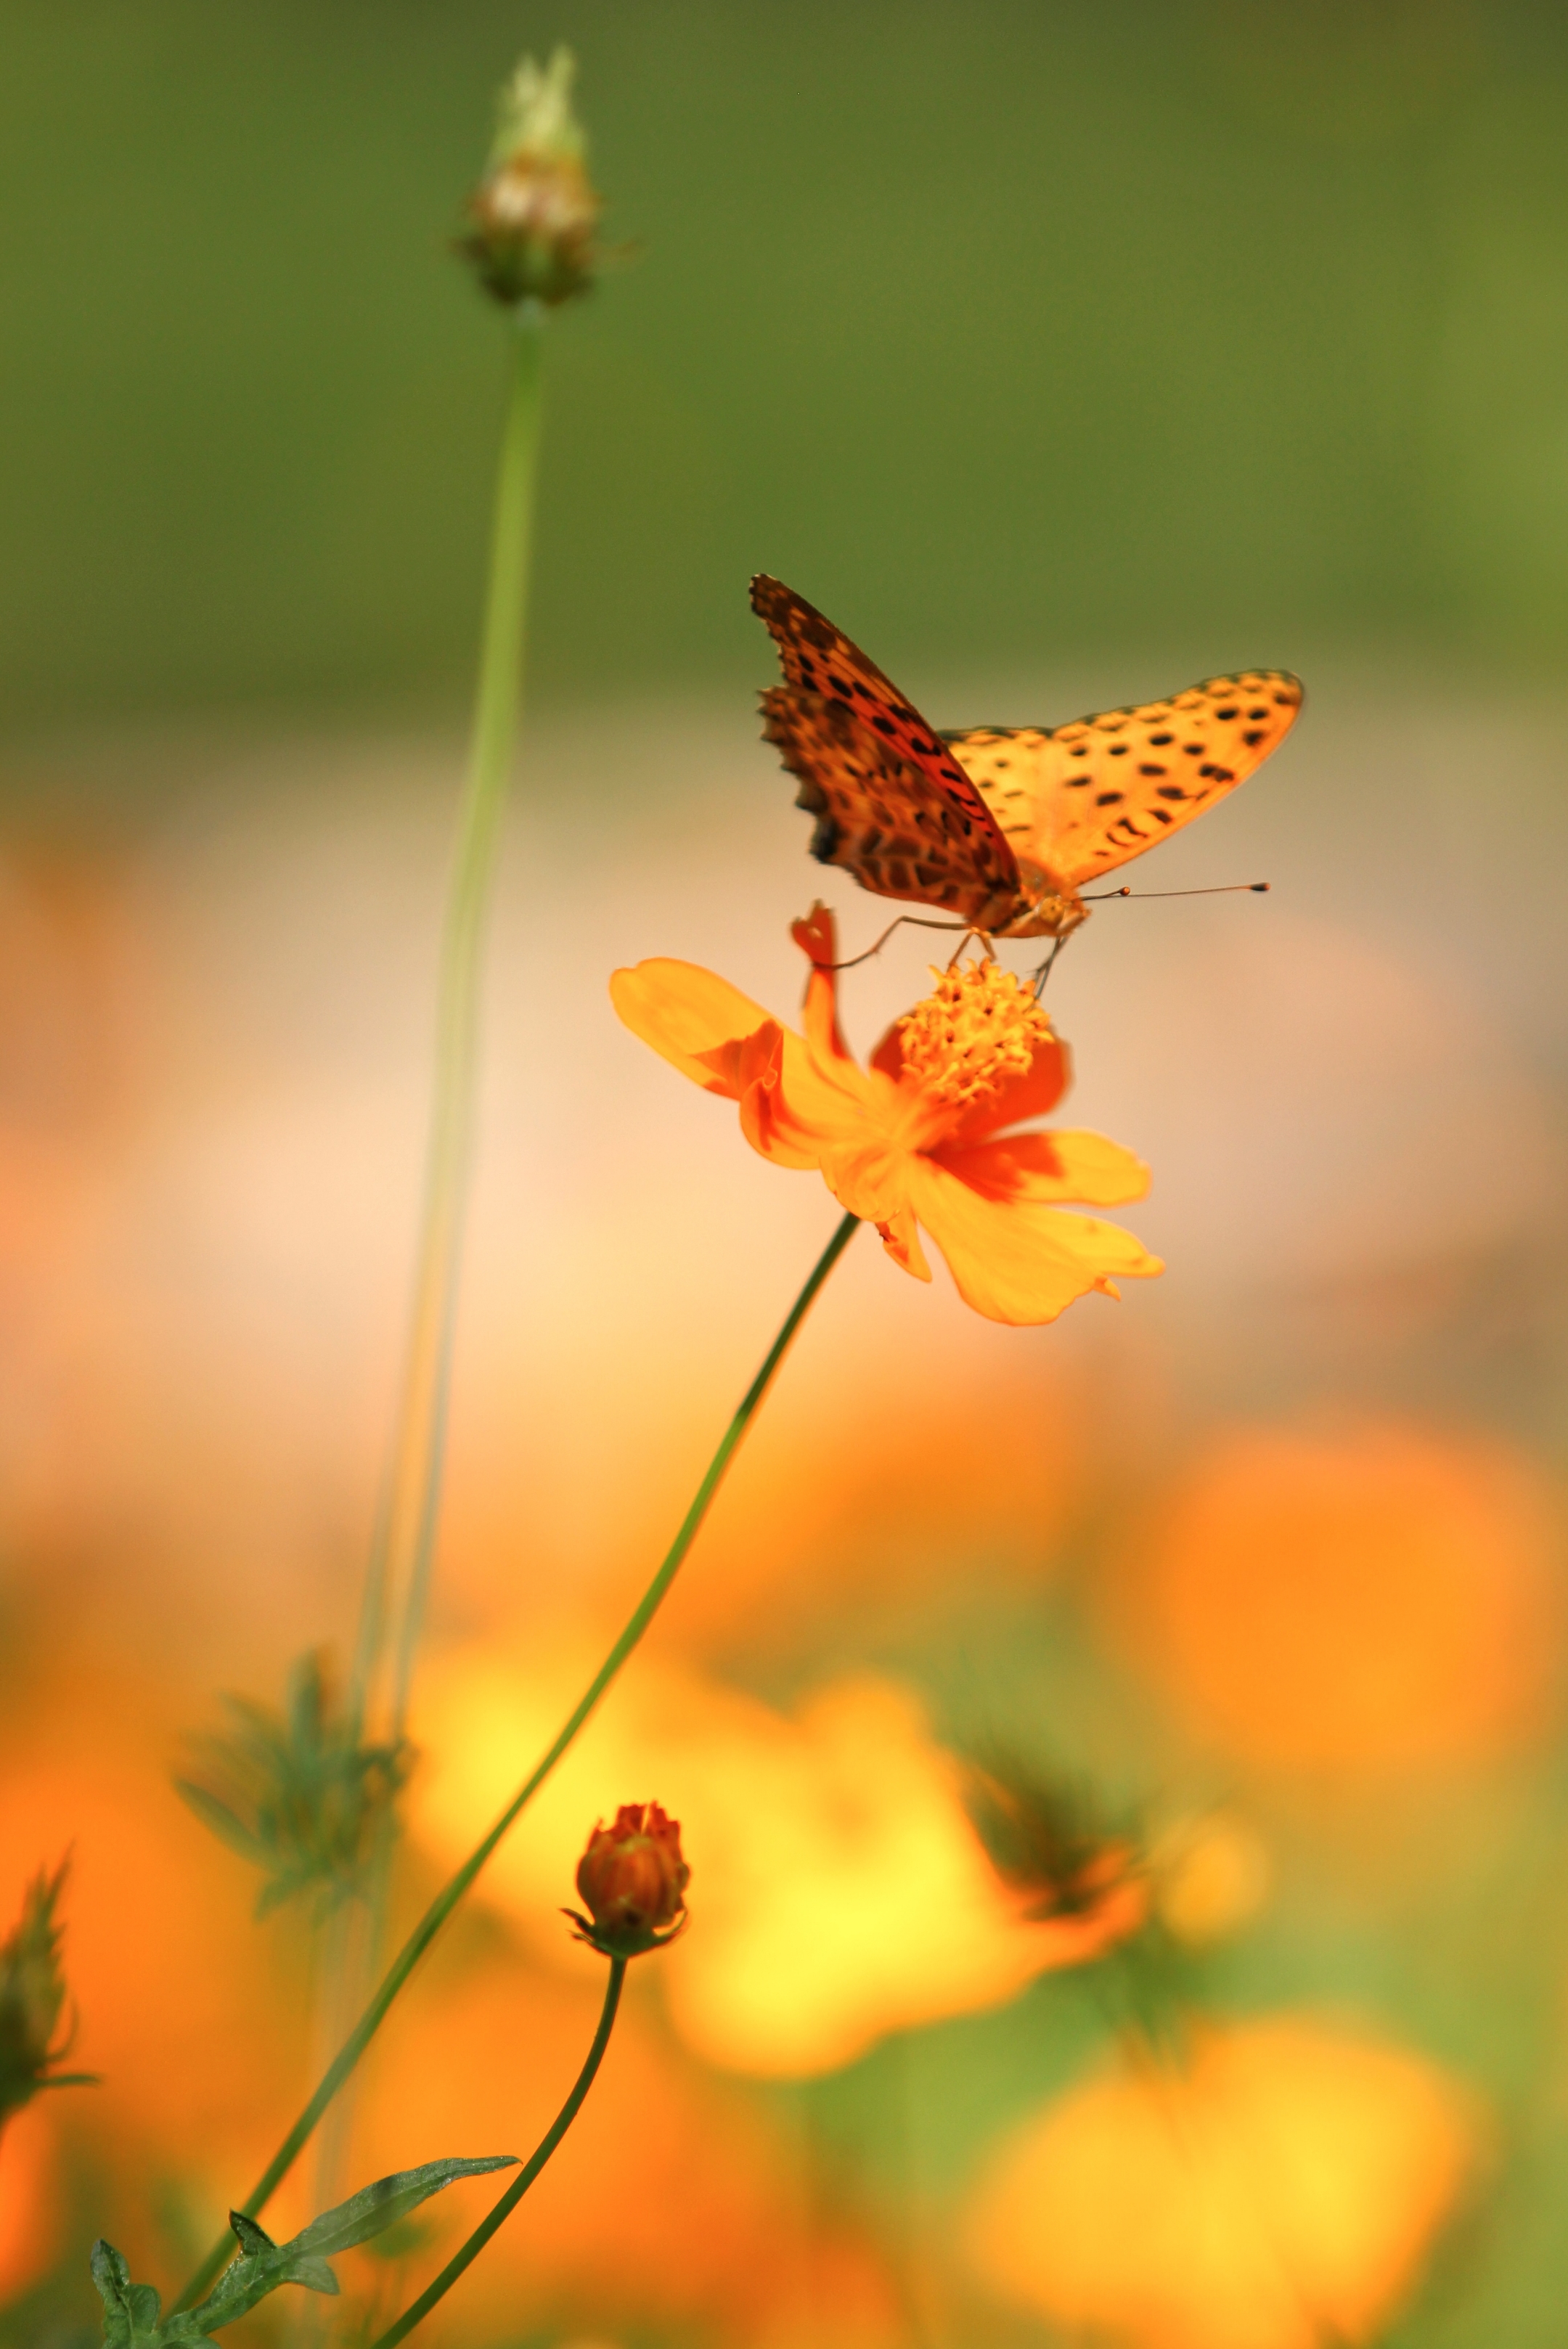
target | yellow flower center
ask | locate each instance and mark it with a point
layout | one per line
(980, 1027)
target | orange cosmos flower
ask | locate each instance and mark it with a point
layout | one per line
(917, 1137)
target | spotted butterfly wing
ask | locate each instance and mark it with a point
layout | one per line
(1076, 800)
(892, 805)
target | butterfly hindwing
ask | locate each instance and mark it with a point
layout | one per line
(1076, 800)
(893, 806)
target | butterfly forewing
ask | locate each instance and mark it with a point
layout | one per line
(893, 806)
(1078, 799)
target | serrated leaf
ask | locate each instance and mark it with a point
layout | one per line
(181, 2332)
(110, 2272)
(315, 2275)
(244, 2282)
(131, 2311)
(263, 2265)
(253, 2238)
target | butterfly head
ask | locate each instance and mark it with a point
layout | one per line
(1048, 908)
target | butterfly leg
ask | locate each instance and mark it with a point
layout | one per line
(1048, 966)
(915, 922)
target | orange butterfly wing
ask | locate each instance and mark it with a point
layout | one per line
(1078, 799)
(892, 806)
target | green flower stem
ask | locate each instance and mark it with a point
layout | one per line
(502, 2209)
(452, 1892)
(398, 1579)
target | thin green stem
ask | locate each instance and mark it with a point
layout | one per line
(452, 1892)
(402, 1548)
(402, 1544)
(502, 2211)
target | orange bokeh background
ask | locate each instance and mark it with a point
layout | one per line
(1197, 1556)
(1378, 1596)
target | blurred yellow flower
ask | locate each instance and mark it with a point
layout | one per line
(917, 1137)
(1280, 2194)
(845, 1891)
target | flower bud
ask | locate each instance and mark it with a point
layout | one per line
(533, 216)
(32, 1998)
(632, 1880)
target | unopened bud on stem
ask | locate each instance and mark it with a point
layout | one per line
(533, 216)
(32, 1999)
(632, 1880)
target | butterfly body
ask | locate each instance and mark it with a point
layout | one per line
(999, 825)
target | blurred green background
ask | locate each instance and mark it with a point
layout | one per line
(1230, 328)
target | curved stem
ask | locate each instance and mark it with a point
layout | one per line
(502, 2211)
(452, 1892)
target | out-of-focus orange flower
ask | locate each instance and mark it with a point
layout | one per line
(198, 2056)
(1377, 1596)
(866, 1906)
(917, 1138)
(632, 1880)
(30, 2200)
(678, 2207)
(1280, 2194)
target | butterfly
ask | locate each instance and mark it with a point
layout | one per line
(1000, 825)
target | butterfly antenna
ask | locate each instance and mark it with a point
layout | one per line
(1225, 889)
(915, 923)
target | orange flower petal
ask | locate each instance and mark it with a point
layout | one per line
(1045, 1167)
(816, 935)
(1014, 1260)
(686, 1013)
(867, 1178)
(758, 1063)
(1033, 1094)
(890, 1054)
(813, 1113)
(900, 1237)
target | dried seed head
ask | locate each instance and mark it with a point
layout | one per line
(533, 216)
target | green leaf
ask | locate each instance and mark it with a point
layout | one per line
(252, 2240)
(224, 1823)
(387, 2200)
(294, 1790)
(33, 1999)
(131, 2311)
(262, 2265)
(315, 2275)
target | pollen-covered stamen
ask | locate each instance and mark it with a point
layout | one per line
(980, 1027)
